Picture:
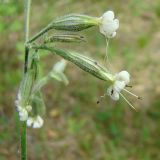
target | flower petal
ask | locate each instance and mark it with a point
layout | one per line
(38, 123)
(113, 93)
(123, 76)
(30, 121)
(118, 86)
(108, 16)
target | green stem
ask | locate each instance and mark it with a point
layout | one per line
(44, 30)
(23, 141)
(23, 124)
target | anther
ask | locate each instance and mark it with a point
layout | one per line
(129, 86)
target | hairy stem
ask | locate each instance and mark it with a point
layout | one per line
(23, 124)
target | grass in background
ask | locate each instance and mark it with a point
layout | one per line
(75, 126)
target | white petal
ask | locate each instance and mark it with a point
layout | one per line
(109, 15)
(108, 28)
(123, 76)
(116, 24)
(118, 86)
(113, 93)
(115, 96)
(30, 121)
(38, 123)
(108, 25)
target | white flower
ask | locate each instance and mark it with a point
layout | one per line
(121, 81)
(22, 111)
(114, 90)
(123, 76)
(35, 122)
(30, 121)
(60, 66)
(38, 123)
(23, 114)
(108, 25)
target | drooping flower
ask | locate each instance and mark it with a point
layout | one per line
(114, 90)
(35, 122)
(108, 25)
(121, 81)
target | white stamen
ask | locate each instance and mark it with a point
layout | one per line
(106, 58)
(127, 101)
(132, 93)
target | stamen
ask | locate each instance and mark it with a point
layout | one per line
(127, 101)
(101, 97)
(132, 94)
(129, 86)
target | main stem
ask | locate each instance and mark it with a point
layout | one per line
(23, 124)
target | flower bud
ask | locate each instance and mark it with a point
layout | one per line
(64, 38)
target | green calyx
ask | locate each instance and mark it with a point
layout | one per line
(74, 22)
(68, 38)
(83, 62)
(71, 22)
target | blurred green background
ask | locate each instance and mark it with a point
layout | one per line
(75, 127)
